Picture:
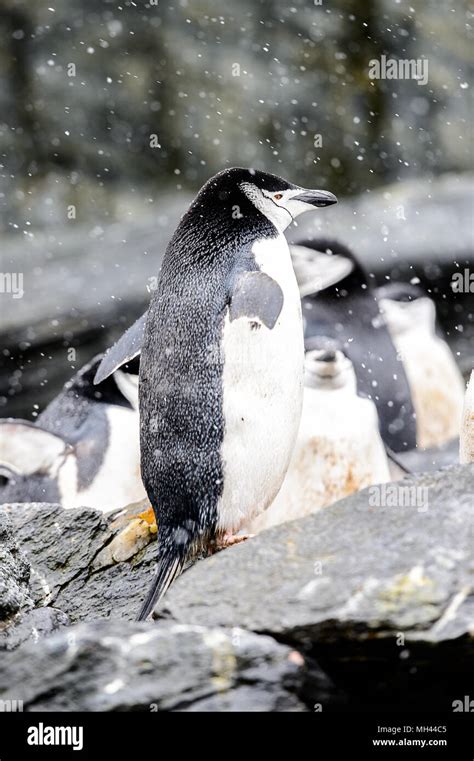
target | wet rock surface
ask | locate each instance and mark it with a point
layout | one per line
(83, 287)
(354, 569)
(347, 609)
(14, 571)
(380, 598)
(75, 558)
(98, 666)
(31, 626)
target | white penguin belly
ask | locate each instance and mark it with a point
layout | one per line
(262, 396)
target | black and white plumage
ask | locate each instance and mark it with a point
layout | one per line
(401, 362)
(82, 450)
(338, 449)
(221, 368)
(343, 305)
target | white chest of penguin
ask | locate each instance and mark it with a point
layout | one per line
(262, 395)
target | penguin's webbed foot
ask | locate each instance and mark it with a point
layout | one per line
(148, 516)
(228, 540)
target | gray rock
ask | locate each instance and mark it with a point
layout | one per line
(14, 572)
(83, 562)
(32, 625)
(349, 571)
(107, 666)
(375, 601)
(97, 295)
(379, 599)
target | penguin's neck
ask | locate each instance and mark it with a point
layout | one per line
(235, 221)
(343, 381)
(272, 256)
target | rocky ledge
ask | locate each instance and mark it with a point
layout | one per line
(351, 608)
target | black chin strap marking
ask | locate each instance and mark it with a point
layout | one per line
(281, 207)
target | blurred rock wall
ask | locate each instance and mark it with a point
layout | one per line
(84, 83)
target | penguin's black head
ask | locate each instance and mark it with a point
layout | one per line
(276, 199)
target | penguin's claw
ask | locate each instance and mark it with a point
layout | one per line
(148, 516)
(228, 540)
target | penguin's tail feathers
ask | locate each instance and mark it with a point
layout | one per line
(169, 567)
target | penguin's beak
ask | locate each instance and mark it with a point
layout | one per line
(317, 198)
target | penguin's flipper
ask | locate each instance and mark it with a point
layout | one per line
(128, 386)
(315, 271)
(434, 458)
(169, 567)
(398, 469)
(27, 448)
(422, 460)
(124, 350)
(256, 295)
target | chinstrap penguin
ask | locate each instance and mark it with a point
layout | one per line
(221, 367)
(340, 302)
(338, 449)
(82, 451)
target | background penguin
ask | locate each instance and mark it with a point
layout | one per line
(340, 302)
(466, 449)
(436, 383)
(221, 367)
(338, 449)
(83, 449)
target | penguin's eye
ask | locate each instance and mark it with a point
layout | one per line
(277, 196)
